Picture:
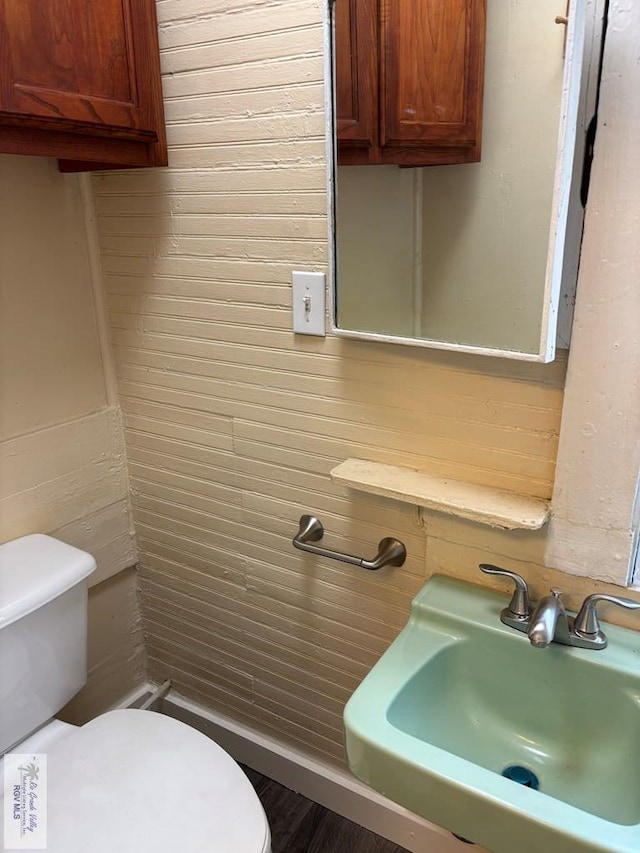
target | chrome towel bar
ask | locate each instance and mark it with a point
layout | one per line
(391, 552)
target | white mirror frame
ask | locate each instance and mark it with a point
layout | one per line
(573, 118)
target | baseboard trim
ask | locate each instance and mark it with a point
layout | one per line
(329, 786)
(135, 697)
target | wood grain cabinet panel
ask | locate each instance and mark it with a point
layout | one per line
(428, 64)
(81, 81)
(357, 73)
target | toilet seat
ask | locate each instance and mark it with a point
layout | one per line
(134, 781)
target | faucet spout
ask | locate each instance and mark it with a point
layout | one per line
(548, 618)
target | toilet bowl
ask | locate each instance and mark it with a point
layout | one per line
(129, 780)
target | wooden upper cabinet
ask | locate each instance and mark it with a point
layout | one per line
(81, 81)
(357, 73)
(426, 70)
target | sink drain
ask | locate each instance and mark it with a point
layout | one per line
(521, 775)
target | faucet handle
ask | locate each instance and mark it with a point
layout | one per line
(519, 606)
(586, 621)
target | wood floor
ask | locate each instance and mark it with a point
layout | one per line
(299, 825)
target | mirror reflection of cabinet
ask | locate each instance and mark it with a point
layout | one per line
(356, 76)
(409, 81)
(480, 257)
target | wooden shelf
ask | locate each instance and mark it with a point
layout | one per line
(482, 504)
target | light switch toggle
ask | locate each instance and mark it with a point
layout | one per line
(308, 303)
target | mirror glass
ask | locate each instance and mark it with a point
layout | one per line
(457, 256)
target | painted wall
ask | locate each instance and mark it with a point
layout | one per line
(599, 527)
(233, 423)
(62, 462)
(376, 249)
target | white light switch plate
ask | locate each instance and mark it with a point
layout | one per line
(308, 303)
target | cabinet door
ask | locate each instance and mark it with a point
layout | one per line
(84, 69)
(356, 27)
(432, 74)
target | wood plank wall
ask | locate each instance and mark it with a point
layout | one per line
(233, 423)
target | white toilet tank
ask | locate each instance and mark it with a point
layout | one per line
(43, 631)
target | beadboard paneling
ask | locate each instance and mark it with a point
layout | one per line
(233, 423)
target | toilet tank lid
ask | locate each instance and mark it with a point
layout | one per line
(36, 569)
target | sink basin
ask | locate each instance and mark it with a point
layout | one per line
(459, 698)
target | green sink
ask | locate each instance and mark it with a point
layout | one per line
(459, 698)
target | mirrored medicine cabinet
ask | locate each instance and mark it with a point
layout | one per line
(480, 256)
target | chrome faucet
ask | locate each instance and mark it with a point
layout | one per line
(549, 622)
